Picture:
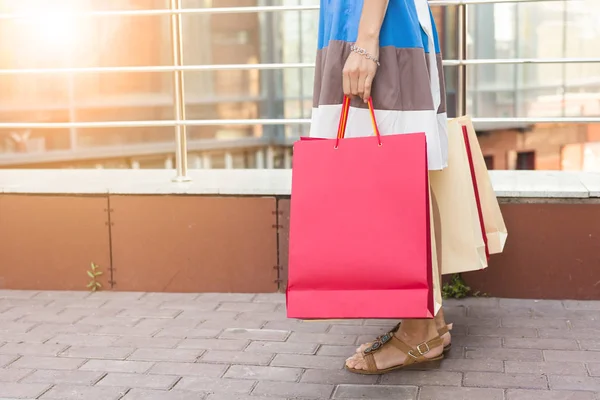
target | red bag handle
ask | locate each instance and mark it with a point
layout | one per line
(344, 119)
(476, 189)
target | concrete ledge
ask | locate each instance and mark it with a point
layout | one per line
(513, 184)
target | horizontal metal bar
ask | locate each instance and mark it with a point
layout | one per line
(233, 10)
(274, 66)
(129, 151)
(156, 68)
(251, 122)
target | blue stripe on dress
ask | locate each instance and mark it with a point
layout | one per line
(339, 20)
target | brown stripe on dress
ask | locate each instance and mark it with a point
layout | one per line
(401, 84)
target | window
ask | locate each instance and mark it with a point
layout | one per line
(489, 162)
(526, 160)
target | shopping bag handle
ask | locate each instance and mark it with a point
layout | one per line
(344, 119)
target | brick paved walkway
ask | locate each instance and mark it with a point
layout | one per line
(136, 346)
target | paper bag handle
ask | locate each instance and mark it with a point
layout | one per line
(344, 119)
(476, 189)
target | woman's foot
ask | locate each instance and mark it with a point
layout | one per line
(440, 323)
(412, 332)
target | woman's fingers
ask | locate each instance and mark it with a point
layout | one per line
(367, 87)
(346, 83)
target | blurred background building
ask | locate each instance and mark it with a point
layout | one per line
(51, 39)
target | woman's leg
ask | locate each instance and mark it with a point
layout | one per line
(412, 331)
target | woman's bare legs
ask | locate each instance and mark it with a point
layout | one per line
(412, 331)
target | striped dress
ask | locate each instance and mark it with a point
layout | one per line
(408, 91)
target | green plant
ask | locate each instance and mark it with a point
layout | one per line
(94, 273)
(456, 288)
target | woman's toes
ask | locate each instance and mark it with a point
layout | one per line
(362, 347)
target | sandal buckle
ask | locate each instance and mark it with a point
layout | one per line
(421, 352)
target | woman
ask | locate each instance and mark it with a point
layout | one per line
(387, 49)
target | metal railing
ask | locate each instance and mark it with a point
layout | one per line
(175, 12)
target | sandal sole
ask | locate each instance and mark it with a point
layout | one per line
(433, 362)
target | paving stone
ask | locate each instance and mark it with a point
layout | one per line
(73, 339)
(163, 382)
(472, 321)
(13, 374)
(593, 345)
(180, 355)
(542, 344)
(476, 341)
(505, 354)
(213, 344)
(208, 315)
(298, 326)
(6, 359)
(281, 348)
(143, 394)
(531, 303)
(127, 331)
(341, 351)
(103, 353)
(69, 392)
(582, 305)
(62, 294)
(17, 327)
(358, 330)
(574, 356)
(459, 393)
(237, 357)
(431, 377)
(270, 335)
(82, 378)
(17, 294)
(515, 322)
(220, 297)
(138, 367)
(87, 303)
(308, 361)
(577, 334)
(247, 307)
(122, 297)
(179, 332)
(594, 369)
(211, 385)
(56, 329)
(480, 365)
(380, 392)
(321, 338)
(263, 373)
(232, 324)
(336, 377)
(294, 390)
(161, 323)
(189, 305)
(24, 390)
(496, 380)
(486, 312)
(80, 313)
(188, 369)
(584, 324)
(110, 321)
(220, 396)
(34, 362)
(30, 337)
(146, 342)
(278, 298)
(546, 368)
(566, 382)
(150, 313)
(25, 349)
(171, 296)
(519, 394)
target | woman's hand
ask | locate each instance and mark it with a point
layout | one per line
(359, 71)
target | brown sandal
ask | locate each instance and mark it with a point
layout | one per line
(441, 332)
(415, 355)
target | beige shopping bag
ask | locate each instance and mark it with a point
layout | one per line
(463, 246)
(495, 228)
(435, 273)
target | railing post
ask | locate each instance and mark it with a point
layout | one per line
(179, 95)
(461, 98)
